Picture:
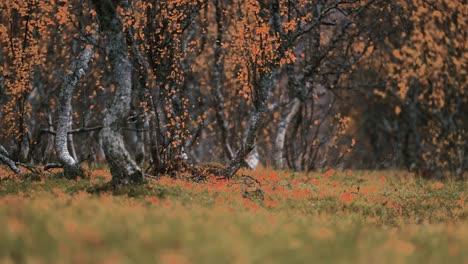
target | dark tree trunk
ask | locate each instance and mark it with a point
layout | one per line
(218, 81)
(262, 91)
(50, 141)
(123, 168)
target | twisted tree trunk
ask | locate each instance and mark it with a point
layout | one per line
(123, 168)
(71, 166)
(262, 91)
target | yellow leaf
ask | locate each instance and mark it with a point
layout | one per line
(397, 110)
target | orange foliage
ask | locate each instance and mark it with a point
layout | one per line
(427, 70)
(347, 197)
(24, 29)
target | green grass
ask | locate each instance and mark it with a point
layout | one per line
(336, 217)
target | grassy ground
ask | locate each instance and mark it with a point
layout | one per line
(269, 217)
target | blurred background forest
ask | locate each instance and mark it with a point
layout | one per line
(292, 84)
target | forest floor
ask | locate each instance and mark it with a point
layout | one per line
(265, 217)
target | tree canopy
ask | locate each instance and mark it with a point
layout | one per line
(159, 87)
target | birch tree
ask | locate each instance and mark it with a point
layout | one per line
(123, 168)
(71, 166)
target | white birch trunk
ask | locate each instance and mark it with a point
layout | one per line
(70, 165)
(281, 134)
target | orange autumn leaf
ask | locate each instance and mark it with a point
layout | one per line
(437, 186)
(262, 30)
(329, 173)
(461, 202)
(397, 110)
(347, 197)
(294, 182)
(152, 199)
(383, 180)
(167, 204)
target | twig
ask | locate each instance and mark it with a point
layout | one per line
(31, 168)
(74, 131)
(151, 176)
(52, 166)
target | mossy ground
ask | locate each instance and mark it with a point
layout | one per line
(259, 217)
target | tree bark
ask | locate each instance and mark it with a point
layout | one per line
(153, 135)
(123, 168)
(262, 91)
(71, 141)
(50, 140)
(281, 134)
(247, 147)
(71, 166)
(218, 82)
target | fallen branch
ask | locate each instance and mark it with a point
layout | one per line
(10, 163)
(151, 176)
(31, 168)
(49, 166)
(3, 151)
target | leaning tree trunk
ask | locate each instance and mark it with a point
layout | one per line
(262, 91)
(71, 166)
(5, 159)
(123, 168)
(247, 146)
(281, 134)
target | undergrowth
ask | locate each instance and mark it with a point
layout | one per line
(261, 216)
